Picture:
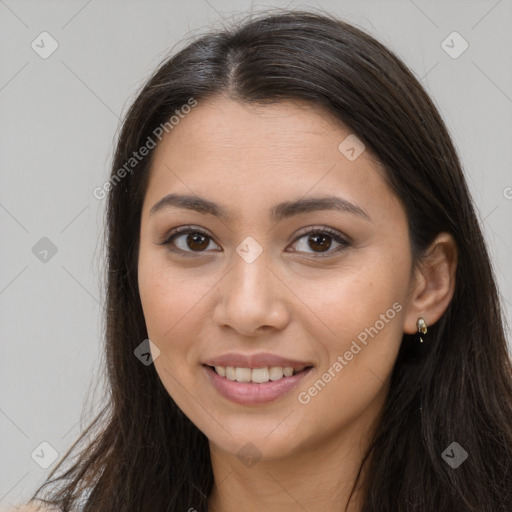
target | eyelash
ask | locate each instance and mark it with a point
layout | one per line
(186, 230)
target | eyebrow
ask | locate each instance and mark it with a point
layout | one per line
(277, 213)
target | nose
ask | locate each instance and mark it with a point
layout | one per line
(252, 298)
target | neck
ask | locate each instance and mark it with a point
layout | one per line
(319, 478)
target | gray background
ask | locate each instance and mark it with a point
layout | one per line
(59, 119)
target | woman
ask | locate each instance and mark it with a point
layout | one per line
(289, 224)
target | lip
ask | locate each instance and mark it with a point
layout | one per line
(255, 361)
(252, 393)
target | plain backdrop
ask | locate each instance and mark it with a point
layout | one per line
(59, 118)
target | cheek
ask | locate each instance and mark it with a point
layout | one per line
(168, 308)
(173, 302)
(362, 313)
(165, 304)
(353, 299)
(168, 297)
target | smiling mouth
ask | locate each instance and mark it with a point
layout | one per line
(257, 375)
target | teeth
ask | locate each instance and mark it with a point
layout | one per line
(260, 375)
(287, 372)
(257, 375)
(275, 373)
(243, 374)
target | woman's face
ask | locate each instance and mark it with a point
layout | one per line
(267, 275)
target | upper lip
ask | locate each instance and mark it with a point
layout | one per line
(255, 361)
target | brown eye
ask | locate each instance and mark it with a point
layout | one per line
(320, 241)
(197, 241)
(188, 241)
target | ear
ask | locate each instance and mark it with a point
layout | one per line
(433, 284)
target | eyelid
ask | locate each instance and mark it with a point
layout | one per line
(336, 235)
(308, 230)
(343, 240)
(186, 229)
(183, 230)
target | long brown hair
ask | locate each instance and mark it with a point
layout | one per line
(145, 454)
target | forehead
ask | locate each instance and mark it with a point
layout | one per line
(287, 129)
(241, 152)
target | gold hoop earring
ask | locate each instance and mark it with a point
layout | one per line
(422, 328)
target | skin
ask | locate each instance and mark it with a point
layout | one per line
(290, 301)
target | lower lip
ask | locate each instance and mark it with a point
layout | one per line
(252, 393)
